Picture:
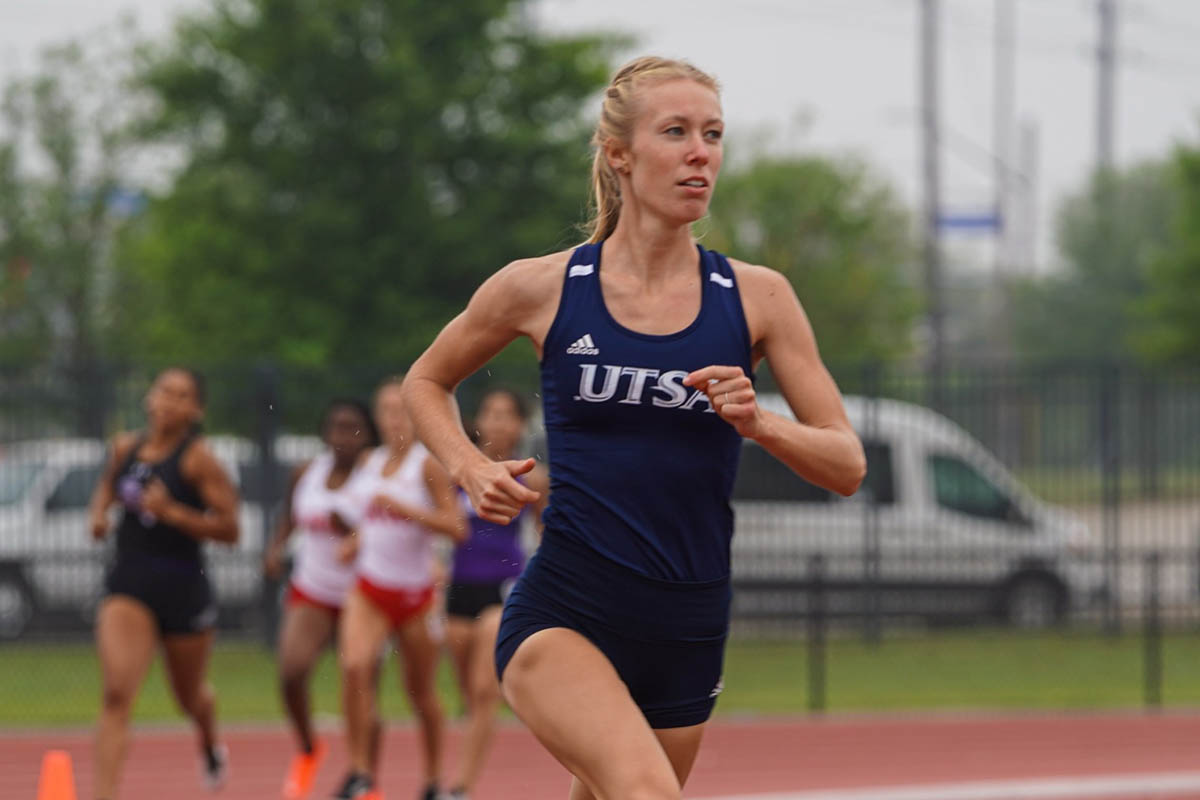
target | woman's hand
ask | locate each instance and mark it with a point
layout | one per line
(494, 490)
(273, 560)
(731, 393)
(348, 549)
(156, 499)
(99, 525)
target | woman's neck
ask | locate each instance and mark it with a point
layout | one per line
(643, 246)
(166, 439)
(398, 449)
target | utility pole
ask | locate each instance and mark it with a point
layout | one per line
(1106, 69)
(1027, 162)
(930, 147)
(1003, 91)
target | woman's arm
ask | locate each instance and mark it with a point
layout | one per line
(519, 300)
(445, 518)
(219, 520)
(821, 446)
(104, 495)
(273, 553)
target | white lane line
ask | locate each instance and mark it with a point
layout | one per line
(1162, 784)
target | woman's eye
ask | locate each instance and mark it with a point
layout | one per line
(714, 135)
(675, 130)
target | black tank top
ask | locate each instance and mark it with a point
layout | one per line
(140, 532)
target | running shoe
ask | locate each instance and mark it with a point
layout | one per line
(456, 794)
(355, 787)
(302, 771)
(214, 766)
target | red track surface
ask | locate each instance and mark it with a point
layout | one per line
(738, 758)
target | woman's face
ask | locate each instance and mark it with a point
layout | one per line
(173, 402)
(499, 423)
(675, 152)
(345, 432)
(395, 427)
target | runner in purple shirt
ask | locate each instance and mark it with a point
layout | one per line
(485, 567)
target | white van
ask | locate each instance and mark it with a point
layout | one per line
(939, 529)
(48, 560)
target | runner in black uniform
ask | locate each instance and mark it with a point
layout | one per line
(174, 494)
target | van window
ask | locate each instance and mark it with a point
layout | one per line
(75, 489)
(959, 486)
(761, 476)
(15, 478)
(879, 483)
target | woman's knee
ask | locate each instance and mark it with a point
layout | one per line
(647, 784)
(118, 698)
(196, 700)
(484, 693)
(424, 698)
(357, 668)
(293, 675)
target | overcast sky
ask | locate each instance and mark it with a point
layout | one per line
(840, 77)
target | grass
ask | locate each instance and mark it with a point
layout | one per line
(58, 684)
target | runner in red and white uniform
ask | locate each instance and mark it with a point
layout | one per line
(320, 577)
(399, 499)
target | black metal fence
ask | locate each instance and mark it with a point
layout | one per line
(1027, 496)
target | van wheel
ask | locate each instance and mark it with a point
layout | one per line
(1034, 602)
(16, 605)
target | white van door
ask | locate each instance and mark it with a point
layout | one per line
(66, 565)
(977, 539)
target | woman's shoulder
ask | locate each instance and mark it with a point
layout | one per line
(763, 287)
(756, 276)
(197, 452)
(528, 280)
(122, 443)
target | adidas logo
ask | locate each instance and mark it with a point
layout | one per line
(583, 346)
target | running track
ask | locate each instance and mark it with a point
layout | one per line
(1124, 756)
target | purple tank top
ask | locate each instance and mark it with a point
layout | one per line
(492, 553)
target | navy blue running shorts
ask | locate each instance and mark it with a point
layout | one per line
(666, 639)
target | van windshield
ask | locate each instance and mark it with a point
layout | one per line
(15, 479)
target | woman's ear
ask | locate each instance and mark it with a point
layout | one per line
(617, 157)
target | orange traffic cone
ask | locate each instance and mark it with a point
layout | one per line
(57, 781)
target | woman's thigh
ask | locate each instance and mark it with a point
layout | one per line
(571, 697)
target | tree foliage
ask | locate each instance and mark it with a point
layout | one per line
(1109, 234)
(841, 237)
(61, 146)
(353, 169)
(1169, 313)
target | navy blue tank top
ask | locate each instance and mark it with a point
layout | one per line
(641, 467)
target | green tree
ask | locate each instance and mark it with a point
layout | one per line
(352, 170)
(1108, 234)
(61, 155)
(839, 234)
(1169, 313)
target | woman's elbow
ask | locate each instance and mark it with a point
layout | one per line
(852, 476)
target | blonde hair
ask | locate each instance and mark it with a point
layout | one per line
(617, 115)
